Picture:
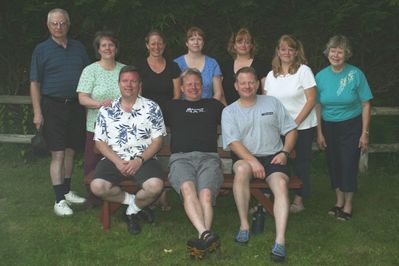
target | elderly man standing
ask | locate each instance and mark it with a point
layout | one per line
(195, 166)
(251, 128)
(55, 70)
(129, 133)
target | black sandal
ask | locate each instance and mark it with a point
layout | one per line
(344, 216)
(335, 211)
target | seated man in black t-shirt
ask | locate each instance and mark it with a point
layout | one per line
(195, 166)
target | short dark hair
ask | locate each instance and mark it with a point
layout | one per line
(246, 69)
(104, 34)
(129, 68)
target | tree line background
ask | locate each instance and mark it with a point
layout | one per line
(372, 27)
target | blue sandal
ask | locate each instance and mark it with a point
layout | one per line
(242, 237)
(278, 253)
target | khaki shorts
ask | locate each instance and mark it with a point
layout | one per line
(202, 168)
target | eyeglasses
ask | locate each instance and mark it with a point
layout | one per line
(56, 24)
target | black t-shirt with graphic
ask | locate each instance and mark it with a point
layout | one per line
(193, 124)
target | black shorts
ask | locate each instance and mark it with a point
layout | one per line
(64, 124)
(107, 170)
(269, 168)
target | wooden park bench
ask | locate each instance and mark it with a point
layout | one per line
(256, 186)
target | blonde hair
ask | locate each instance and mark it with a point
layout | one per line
(190, 71)
(295, 44)
(238, 36)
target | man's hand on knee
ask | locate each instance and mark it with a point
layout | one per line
(258, 170)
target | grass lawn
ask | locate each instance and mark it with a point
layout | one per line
(31, 234)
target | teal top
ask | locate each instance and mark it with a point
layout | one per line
(341, 94)
(101, 84)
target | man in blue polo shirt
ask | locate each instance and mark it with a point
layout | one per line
(55, 70)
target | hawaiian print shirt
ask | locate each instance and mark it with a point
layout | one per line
(129, 133)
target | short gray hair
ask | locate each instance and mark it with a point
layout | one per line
(59, 10)
(339, 41)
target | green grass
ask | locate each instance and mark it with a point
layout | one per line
(30, 233)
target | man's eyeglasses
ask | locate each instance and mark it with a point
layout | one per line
(56, 24)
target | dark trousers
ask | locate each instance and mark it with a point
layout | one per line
(343, 152)
(301, 163)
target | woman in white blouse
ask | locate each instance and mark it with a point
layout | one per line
(293, 83)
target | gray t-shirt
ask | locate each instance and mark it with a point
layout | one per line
(258, 127)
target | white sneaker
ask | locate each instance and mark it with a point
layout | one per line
(62, 208)
(296, 208)
(72, 197)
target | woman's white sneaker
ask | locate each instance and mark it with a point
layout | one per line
(72, 197)
(62, 208)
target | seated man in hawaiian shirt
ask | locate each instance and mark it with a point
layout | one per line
(129, 133)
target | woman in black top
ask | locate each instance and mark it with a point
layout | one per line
(242, 49)
(160, 77)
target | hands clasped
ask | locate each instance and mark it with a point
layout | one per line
(129, 168)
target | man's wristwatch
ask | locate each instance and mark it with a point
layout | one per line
(140, 157)
(286, 153)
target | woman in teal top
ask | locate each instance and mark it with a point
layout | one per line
(343, 112)
(98, 86)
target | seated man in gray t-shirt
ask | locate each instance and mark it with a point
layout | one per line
(251, 128)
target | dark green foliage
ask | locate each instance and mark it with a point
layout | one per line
(371, 25)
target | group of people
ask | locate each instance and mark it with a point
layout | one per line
(267, 118)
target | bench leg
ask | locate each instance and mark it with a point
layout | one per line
(106, 216)
(261, 198)
(108, 209)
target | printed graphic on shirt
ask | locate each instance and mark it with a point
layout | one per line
(195, 110)
(267, 113)
(344, 82)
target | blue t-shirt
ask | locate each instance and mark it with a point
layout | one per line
(211, 69)
(58, 69)
(341, 94)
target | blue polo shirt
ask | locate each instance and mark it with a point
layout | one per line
(58, 69)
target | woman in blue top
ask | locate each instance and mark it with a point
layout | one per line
(209, 68)
(343, 112)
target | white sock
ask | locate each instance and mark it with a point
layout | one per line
(132, 209)
(129, 199)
